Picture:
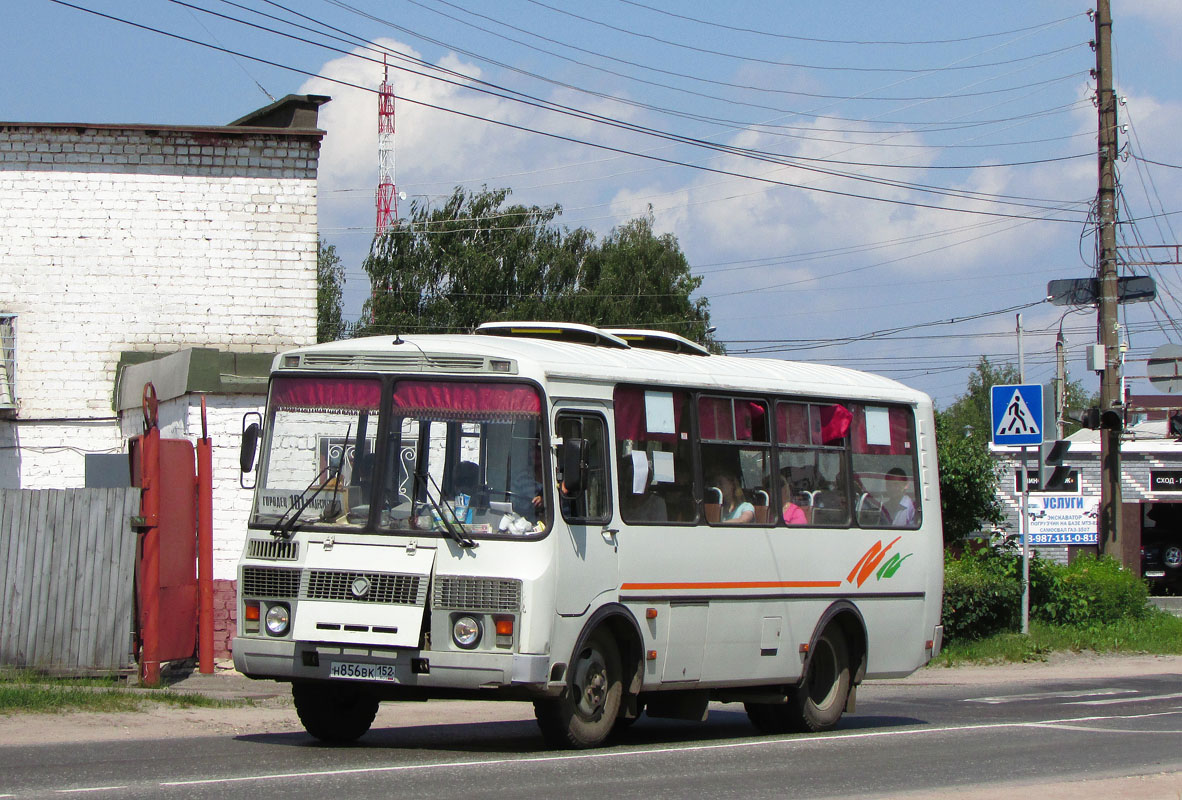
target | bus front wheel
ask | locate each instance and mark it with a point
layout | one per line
(332, 713)
(589, 706)
(816, 704)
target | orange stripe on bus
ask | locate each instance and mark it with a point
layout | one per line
(735, 585)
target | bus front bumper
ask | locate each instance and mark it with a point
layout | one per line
(279, 659)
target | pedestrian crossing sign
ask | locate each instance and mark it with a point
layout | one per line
(1017, 414)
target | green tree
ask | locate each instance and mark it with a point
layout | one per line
(968, 474)
(477, 258)
(330, 282)
(968, 480)
(970, 412)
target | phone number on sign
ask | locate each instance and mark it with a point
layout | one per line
(1062, 538)
(361, 672)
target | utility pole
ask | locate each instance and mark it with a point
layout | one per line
(1107, 325)
(1060, 384)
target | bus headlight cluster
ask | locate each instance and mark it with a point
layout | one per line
(466, 631)
(278, 618)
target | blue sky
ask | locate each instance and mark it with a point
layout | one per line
(887, 166)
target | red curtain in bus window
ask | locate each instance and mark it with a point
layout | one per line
(792, 424)
(329, 395)
(835, 423)
(465, 400)
(631, 422)
(716, 419)
(902, 432)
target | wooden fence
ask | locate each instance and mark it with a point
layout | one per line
(67, 578)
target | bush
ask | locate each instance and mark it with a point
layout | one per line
(979, 601)
(1095, 591)
(983, 593)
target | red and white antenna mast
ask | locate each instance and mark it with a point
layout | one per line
(387, 194)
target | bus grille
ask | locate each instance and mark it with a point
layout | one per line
(273, 549)
(379, 587)
(477, 594)
(270, 582)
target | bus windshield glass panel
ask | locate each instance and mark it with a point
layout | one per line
(466, 456)
(317, 466)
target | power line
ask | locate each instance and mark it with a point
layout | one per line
(574, 140)
(797, 38)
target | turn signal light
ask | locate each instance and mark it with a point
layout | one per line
(250, 616)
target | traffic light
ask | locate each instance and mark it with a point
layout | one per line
(1052, 472)
(1095, 419)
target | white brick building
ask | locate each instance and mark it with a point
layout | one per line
(118, 240)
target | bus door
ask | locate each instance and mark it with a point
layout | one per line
(585, 539)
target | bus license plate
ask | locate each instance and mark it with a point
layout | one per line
(361, 672)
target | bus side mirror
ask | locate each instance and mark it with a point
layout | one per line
(250, 443)
(574, 466)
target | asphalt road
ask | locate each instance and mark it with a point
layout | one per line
(998, 739)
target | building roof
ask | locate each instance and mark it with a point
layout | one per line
(293, 115)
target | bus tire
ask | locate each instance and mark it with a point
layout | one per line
(816, 704)
(584, 715)
(333, 713)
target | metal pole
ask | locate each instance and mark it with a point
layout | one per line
(1024, 511)
(1024, 529)
(204, 548)
(1107, 323)
(1060, 383)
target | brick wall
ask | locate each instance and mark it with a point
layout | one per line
(128, 238)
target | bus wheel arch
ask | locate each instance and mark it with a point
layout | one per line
(833, 668)
(834, 665)
(602, 681)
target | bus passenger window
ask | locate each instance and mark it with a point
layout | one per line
(736, 461)
(884, 466)
(813, 475)
(653, 436)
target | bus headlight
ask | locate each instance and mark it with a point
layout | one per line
(466, 632)
(278, 618)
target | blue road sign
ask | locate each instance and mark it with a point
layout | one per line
(1017, 414)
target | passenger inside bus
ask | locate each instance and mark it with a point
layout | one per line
(792, 513)
(898, 509)
(736, 510)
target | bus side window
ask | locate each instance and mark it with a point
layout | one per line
(813, 476)
(653, 435)
(884, 466)
(736, 460)
(592, 503)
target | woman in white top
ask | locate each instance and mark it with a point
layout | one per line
(735, 508)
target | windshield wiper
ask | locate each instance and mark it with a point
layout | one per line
(285, 525)
(456, 534)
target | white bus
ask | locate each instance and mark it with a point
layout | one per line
(604, 522)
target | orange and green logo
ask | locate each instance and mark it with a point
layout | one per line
(873, 558)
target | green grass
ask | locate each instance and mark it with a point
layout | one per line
(1157, 633)
(27, 692)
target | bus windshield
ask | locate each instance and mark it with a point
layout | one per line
(455, 458)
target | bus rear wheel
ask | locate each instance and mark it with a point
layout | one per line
(584, 715)
(332, 713)
(816, 704)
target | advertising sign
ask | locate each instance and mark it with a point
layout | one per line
(1063, 519)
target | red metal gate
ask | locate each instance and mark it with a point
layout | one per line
(166, 569)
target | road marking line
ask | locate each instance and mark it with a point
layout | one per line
(87, 789)
(1142, 699)
(1018, 698)
(1064, 727)
(657, 751)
